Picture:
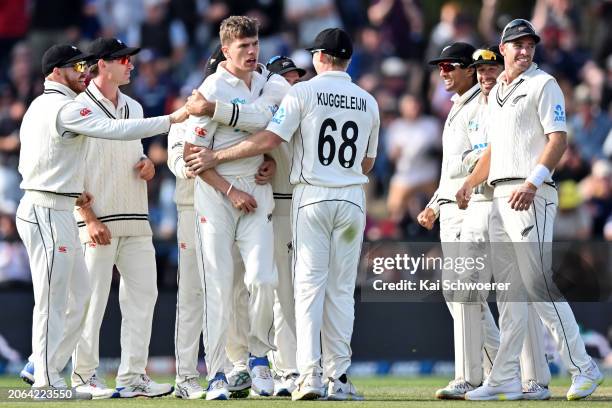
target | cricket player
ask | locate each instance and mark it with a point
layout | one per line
(453, 64)
(115, 231)
(527, 136)
(53, 168)
(474, 232)
(190, 295)
(254, 117)
(247, 222)
(335, 146)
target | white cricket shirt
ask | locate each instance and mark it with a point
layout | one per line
(336, 126)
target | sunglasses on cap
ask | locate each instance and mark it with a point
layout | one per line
(449, 66)
(79, 67)
(126, 59)
(484, 55)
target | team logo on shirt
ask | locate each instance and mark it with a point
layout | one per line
(201, 132)
(517, 99)
(85, 111)
(62, 249)
(202, 220)
(279, 116)
(92, 245)
(559, 114)
(183, 245)
(273, 108)
(238, 100)
(473, 126)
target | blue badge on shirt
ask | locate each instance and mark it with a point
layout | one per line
(559, 114)
(279, 116)
(238, 100)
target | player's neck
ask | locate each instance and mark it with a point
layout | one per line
(108, 88)
(246, 76)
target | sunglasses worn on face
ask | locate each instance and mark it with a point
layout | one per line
(484, 55)
(126, 59)
(448, 66)
(80, 66)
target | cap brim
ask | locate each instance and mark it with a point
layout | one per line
(521, 35)
(438, 60)
(300, 71)
(83, 56)
(486, 62)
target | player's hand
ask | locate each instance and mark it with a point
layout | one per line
(200, 161)
(179, 115)
(98, 233)
(242, 201)
(197, 105)
(522, 197)
(426, 218)
(85, 200)
(463, 196)
(145, 168)
(189, 174)
(265, 171)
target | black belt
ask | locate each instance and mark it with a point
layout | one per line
(443, 201)
(71, 195)
(504, 180)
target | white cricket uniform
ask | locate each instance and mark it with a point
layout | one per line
(475, 232)
(121, 205)
(251, 118)
(220, 225)
(53, 167)
(189, 319)
(454, 143)
(524, 112)
(332, 125)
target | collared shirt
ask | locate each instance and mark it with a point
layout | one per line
(203, 131)
(336, 125)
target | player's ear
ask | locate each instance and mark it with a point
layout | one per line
(224, 50)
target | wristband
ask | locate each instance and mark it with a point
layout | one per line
(538, 175)
(229, 189)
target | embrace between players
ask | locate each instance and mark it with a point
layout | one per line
(265, 272)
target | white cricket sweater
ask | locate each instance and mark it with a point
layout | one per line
(120, 196)
(183, 193)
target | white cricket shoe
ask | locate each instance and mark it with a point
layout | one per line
(342, 389)
(145, 387)
(47, 393)
(505, 392)
(585, 384)
(217, 388)
(97, 388)
(239, 382)
(262, 382)
(455, 389)
(284, 386)
(310, 388)
(190, 389)
(534, 391)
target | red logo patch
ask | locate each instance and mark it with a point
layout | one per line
(92, 245)
(183, 245)
(202, 220)
(200, 131)
(85, 111)
(62, 249)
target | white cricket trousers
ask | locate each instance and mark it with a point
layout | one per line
(283, 359)
(471, 354)
(328, 225)
(220, 225)
(189, 299)
(528, 256)
(135, 260)
(61, 286)
(533, 361)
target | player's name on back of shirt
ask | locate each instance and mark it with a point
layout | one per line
(341, 101)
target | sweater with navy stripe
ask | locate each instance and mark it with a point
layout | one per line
(120, 196)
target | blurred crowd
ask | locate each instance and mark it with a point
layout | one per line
(394, 39)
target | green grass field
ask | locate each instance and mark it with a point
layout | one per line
(379, 392)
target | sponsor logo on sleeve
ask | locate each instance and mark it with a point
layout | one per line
(279, 116)
(202, 220)
(85, 112)
(183, 245)
(62, 249)
(559, 114)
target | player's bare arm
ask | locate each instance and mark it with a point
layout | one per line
(197, 105)
(98, 232)
(479, 175)
(522, 198)
(367, 164)
(427, 218)
(266, 171)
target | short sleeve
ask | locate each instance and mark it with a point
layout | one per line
(288, 116)
(551, 108)
(200, 130)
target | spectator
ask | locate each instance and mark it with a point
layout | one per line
(596, 190)
(309, 17)
(573, 221)
(590, 126)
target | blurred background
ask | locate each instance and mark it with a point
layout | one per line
(393, 41)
